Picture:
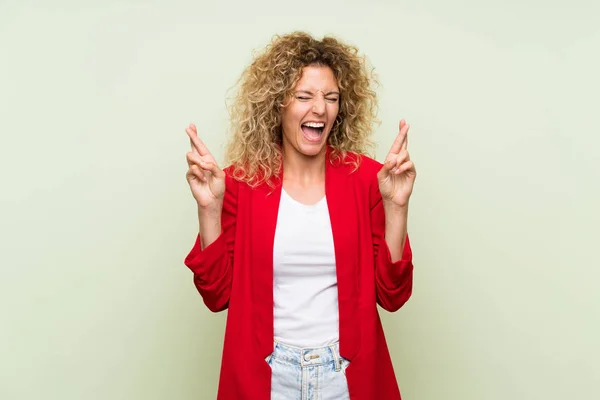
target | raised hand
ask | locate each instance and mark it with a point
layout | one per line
(206, 179)
(397, 176)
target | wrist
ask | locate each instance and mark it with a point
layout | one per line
(210, 211)
(391, 207)
(209, 224)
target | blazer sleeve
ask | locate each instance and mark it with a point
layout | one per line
(213, 266)
(393, 280)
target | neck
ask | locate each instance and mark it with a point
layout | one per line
(305, 170)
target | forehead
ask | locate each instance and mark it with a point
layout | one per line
(315, 78)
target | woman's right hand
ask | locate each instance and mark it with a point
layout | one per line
(206, 179)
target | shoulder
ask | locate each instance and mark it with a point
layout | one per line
(362, 170)
(237, 180)
(230, 174)
(369, 166)
(232, 185)
(361, 166)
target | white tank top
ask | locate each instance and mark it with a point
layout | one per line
(304, 276)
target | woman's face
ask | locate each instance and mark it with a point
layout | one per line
(310, 114)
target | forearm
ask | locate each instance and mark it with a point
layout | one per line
(396, 221)
(209, 221)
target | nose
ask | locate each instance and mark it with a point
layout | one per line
(319, 105)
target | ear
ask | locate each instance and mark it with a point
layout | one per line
(286, 100)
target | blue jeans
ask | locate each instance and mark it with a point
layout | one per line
(308, 373)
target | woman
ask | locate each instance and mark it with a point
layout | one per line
(303, 235)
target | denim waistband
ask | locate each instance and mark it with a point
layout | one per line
(307, 355)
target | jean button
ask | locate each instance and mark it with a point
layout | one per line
(307, 357)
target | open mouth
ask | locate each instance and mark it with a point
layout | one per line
(313, 130)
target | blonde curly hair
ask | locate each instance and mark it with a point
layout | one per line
(254, 150)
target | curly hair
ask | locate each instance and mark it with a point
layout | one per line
(254, 150)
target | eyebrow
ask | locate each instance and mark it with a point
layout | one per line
(311, 93)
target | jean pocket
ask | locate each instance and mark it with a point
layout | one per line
(269, 358)
(344, 363)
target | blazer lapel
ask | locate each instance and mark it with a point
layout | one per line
(341, 201)
(264, 221)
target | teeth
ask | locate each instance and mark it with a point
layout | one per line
(315, 124)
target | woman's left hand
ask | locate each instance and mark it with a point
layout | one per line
(397, 176)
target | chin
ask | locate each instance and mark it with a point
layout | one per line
(312, 149)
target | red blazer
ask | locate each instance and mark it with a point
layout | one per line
(235, 272)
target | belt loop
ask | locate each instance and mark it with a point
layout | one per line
(336, 360)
